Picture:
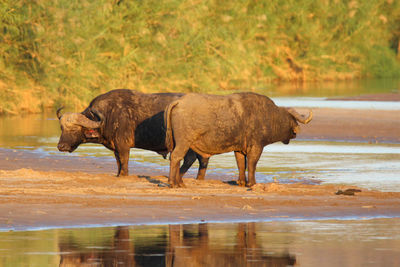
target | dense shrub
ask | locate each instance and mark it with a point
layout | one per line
(67, 51)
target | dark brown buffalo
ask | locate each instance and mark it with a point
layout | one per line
(119, 120)
(241, 122)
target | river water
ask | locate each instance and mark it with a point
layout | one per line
(374, 242)
(302, 243)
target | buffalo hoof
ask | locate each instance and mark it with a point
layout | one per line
(173, 185)
(241, 183)
(180, 185)
(122, 173)
(250, 184)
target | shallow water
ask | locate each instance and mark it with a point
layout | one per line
(302, 243)
(373, 166)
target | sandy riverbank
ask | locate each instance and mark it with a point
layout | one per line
(63, 191)
(38, 198)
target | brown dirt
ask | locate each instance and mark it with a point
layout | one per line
(62, 191)
(36, 198)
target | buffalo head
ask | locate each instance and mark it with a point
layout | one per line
(76, 129)
(295, 117)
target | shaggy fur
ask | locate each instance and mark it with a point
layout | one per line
(127, 119)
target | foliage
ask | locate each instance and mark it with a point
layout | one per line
(67, 51)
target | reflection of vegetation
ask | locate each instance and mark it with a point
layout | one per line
(275, 243)
(161, 245)
(31, 130)
(32, 248)
(55, 52)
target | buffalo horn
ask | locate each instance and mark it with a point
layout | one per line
(300, 118)
(59, 112)
(85, 122)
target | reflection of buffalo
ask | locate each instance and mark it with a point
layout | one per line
(213, 124)
(184, 247)
(199, 252)
(119, 120)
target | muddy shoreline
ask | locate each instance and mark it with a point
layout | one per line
(61, 191)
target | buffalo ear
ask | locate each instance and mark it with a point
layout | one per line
(91, 133)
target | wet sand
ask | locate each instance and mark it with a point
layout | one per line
(60, 191)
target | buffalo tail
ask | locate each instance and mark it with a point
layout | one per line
(169, 135)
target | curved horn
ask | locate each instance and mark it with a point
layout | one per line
(300, 118)
(59, 113)
(85, 122)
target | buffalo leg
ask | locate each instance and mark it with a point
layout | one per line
(203, 163)
(118, 161)
(253, 156)
(188, 161)
(173, 169)
(177, 155)
(241, 163)
(122, 157)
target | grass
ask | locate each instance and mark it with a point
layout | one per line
(64, 52)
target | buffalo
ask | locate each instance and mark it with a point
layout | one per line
(121, 119)
(240, 122)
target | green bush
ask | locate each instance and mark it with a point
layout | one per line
(64, 52)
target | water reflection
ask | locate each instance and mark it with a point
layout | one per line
(183, 245)
(119, 252)
(332, 88)
(27, 131)
(277, 243)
